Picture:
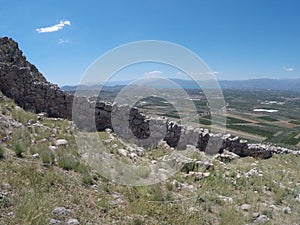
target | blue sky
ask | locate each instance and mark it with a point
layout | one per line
(238, 39)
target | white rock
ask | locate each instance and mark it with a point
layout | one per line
(129, 148)
(5, 186)
(73, 222)
(114, 146)
(122, 152)
(61, 211)
(43, 140)
(206, 174)
(61, 142)
(198, 175)
(255, 215)
(108, 130)
(245, 207)
(52, 148)
(36, 155)
(298, 198)
(107, 141)
(133, 155)
(287, 210)
(262, 218)
(193, 209)
(41, 116)
(54, 222)
(226, 199)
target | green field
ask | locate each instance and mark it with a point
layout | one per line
(275, 127)
(268, 118)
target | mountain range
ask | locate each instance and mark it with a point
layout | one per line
(254, 84)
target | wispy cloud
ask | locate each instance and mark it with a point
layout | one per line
(55, 27)
(288, 69)
(206, 73)
(153, 73)
(216, 72)
(62, 41)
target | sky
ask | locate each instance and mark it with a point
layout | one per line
(237, 39)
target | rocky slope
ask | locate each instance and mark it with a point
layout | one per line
(46, 180)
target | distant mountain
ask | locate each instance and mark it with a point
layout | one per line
(255, 84)
(72, 88)
(258, 84)
(273, 84)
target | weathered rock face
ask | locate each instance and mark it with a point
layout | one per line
(22, 82)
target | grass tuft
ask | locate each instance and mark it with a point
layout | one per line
(18, 149)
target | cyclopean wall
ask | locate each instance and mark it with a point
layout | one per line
(22, 82)
(149, 131)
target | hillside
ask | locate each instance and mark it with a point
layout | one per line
(43, 182)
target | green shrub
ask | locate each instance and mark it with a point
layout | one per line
(1, 152)
(157, 194)
(82, 168)
(87, 179)
(68, 162)
(18, 149)
(47, 156)
(4, 111)
(169, 186)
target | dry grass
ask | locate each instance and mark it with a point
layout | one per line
(61, 178)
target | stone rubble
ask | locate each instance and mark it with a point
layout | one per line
(61, 211)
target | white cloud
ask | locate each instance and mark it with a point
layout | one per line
(62, 41)
(153, 73)
(288, 69)
(54, 28)
(205, 73)
(215, 72)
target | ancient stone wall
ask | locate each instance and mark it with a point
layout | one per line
(132, 126)
(22, 82)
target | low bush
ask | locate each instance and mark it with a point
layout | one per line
(1, 152)
(18, 149)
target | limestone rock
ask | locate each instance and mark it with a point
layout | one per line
(61, 142)
(61, 211)
(73, 222)
(245, 207)
(262, 219)
(54, 222)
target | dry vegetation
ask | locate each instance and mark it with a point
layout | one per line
(242, 191)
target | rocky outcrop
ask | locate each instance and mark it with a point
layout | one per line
(22, 82)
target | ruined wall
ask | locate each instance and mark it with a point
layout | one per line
(22, 82)
(132, 126)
